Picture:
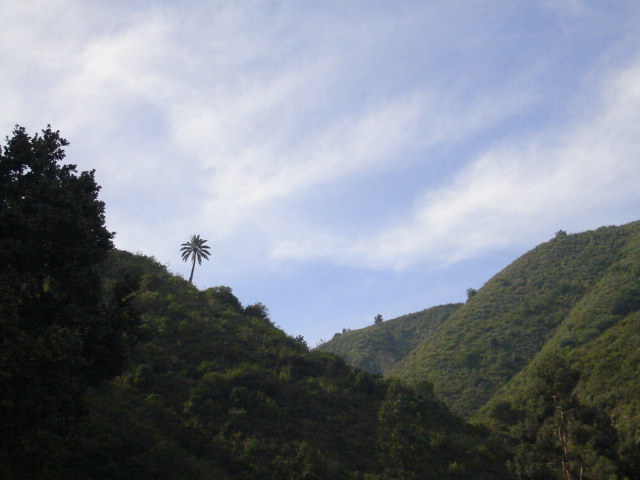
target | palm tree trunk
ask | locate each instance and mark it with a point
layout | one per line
(193, 267)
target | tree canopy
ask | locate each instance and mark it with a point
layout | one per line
(58, 334)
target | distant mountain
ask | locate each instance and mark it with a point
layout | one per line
(378, 348)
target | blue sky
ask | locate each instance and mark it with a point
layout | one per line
(343, 158)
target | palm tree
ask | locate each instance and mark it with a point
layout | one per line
(197, 250)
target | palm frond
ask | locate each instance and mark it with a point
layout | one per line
(195, 249)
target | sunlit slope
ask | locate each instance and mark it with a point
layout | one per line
(601, 339)
(535, 300)
(378, 348)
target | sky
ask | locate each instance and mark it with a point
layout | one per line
(342, 158)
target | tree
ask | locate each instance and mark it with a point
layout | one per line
(471, 292)
(411, 433)
(562, 438)
(377, 319)
(195, 249)
(58, 335)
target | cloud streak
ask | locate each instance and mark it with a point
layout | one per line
(518, 191)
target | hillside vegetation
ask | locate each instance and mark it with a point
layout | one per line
(215, 390)
(483, 345)
(549, 344)
(378, 348)
(599, 340)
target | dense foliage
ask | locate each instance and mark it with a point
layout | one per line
(378, 348)
(565, 316)
(58, 333)
(214, 390)
(498, 331)
(599, 340)
(556, 435)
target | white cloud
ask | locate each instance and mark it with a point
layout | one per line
(577, 178)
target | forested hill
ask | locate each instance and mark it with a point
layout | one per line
(378, 348)
(547, 352)
(568, 291)
(215, 390)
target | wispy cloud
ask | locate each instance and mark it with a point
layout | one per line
(576, 178)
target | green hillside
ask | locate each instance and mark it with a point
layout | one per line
(600, 341)
(378, 348)
(546, 354)
(484, 344)
(215, 390)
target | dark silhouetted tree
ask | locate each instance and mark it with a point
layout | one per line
(58, 336)
(195, 249)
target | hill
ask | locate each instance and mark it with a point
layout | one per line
(599, 341)
(535, 300)
(214, 390)
(378, 348)
(546, 354)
